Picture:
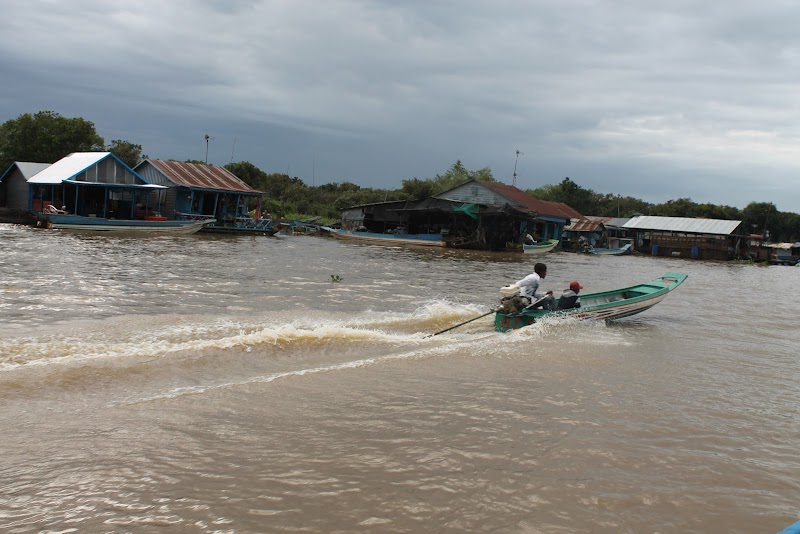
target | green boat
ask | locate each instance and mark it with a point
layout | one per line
(606, 305)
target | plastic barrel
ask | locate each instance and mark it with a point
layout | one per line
(695, 252)
(655, 250)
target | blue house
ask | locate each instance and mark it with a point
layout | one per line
(199, 192)
(94, 184)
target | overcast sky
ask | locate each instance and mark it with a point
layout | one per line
(656, 100)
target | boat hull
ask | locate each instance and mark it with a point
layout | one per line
(620, 251)
(98, 224)
(605, 306)
(540, 248)
(424, 240)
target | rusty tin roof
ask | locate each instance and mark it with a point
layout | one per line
(201, 176)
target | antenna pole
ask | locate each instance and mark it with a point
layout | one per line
(514, 182)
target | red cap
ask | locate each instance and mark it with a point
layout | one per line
(575, 286)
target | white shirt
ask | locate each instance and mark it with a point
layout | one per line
(529, 286)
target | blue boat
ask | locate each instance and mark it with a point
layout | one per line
(605, 305)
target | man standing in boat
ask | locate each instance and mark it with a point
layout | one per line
(529, 288)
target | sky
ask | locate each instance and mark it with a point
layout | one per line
(654, 100)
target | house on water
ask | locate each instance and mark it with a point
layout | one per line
(686, 237)
(510, 213)
(476, 214)
(94, 184)
(595, 231)
(197, 191)
(14, 191)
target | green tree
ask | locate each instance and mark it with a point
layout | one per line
(417, 189)
(681, 207)
(759, 218)
(583, 200)
(249, 174)
(129, 153)
(457, 174)
(45, 137)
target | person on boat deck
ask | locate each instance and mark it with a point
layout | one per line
(529, 240)
(569, 298)
(529, 288)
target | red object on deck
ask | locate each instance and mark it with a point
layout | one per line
(155, 218)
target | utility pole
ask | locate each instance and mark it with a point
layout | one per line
(514, 182)
(207, 139)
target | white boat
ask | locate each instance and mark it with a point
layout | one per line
(540, 248)
(99, 224)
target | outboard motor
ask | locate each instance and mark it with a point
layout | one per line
(510, 299)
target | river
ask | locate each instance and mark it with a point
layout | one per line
(255, 384)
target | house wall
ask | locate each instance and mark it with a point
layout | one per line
(476, 194)
(108, 171)
(352, 218)
(17, 191)
(705, 247)
(151, 174)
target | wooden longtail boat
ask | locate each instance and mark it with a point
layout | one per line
(606, 305)
(426, 240)
(100, 224)
(540, 248)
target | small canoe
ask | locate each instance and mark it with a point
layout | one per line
(606, 305)
(540, 248)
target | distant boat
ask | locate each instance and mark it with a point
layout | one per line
(425, 240)
(540, 248)
(618, 251)
(238, 225)
(300, 226)
(149, 225)
(606, 305)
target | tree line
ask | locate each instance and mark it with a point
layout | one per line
(46, 137)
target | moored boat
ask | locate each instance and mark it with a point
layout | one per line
(540, 248)
(101, 224)
(618, 251)
(426, 240)
(605, 305)
(238, 225)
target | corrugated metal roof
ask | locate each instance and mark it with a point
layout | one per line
(683, 224)
(67, 167)
(201, 176)
(542, 207)
(609, 222)
(584, 225)
(26, 168)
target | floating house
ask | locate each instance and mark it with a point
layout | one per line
(14, 191)
(94, 184)
(783, 253)
(510, 212)
(708, 239)
(595, 231)
(476, 214)
(197, 191)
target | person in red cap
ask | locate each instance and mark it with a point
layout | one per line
(569, 298)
